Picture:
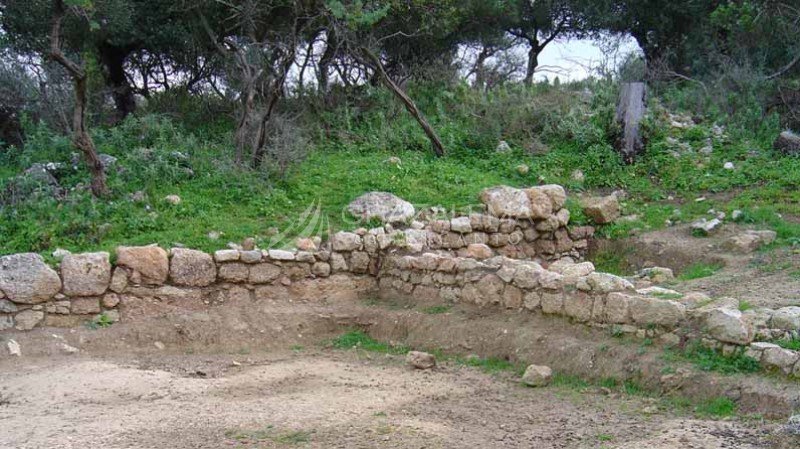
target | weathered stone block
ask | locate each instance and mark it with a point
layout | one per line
(578, 305)
(149, 262)
(264, 273)
(28, 319)
(646, 311)
(234, 272)
(192, 268)
(86, 274)
(26, 279)
(85, 306)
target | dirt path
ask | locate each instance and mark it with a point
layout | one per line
(321, 400)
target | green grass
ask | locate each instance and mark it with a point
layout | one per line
(436, 310)
(721, 407)
(609, 261)
(492, 365)
(699, 270)
(359, 340)
(707, 359)
(347, 153)
(793, 344)
(270, 434)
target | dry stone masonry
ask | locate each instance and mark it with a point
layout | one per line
(518, 254)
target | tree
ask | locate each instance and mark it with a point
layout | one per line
(81, 138)
(119, 28)
(541, 22)
(364, 30)
(662, 28)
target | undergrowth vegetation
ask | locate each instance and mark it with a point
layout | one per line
(369, 143)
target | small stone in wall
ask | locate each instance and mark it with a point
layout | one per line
(537, 376)
(85, 306)
(249, 244)
(226, 255)
(277, 254)
(110, 300)
(14, 349)
(602, 210)
(306, 244)
(6, 322)
(461, 225)
(479, 251)
(786, 318)
(7, 306)
(420, 360)
(250, 256)
(28, 319)
(345, 241)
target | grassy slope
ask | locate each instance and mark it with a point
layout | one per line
(242, 204)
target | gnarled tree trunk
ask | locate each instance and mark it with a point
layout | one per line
(81, 138)
(438, 148)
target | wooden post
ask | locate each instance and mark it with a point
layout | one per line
(631, 110)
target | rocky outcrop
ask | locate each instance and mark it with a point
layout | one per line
(383, 206)
(788, 143)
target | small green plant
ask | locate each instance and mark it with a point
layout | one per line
(744, 306)
(604, 437)
(699, 270)
(720, 407)
(100, 321)
(793, 344)
(669, 296)
(491, 365)
(708, 359)
(436, 310)
(359, 340)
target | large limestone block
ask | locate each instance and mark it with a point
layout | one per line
(26, 279)
(86, 274)
(507, 202)
(384, 206)
(150, 263)
(646, 311)
(192, 268)
(602, 210)
(727, 325)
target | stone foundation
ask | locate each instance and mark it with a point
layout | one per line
(521, 255)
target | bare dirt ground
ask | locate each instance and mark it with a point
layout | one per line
(765, 279)
(324, 399)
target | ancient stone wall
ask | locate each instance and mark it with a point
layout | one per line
(520, 254)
